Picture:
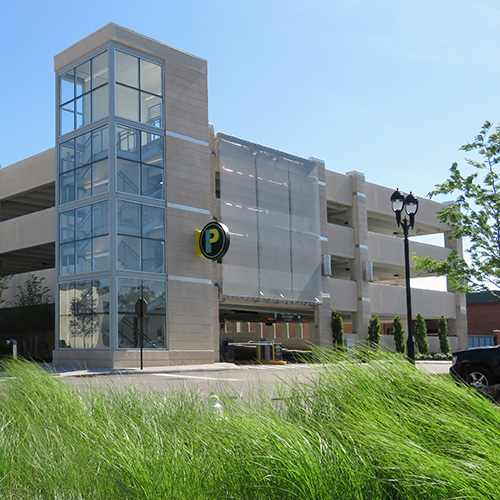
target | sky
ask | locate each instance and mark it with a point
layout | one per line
(391, 88)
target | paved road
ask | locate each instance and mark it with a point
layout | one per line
(222, 378)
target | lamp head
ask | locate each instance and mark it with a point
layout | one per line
(397, 204)
(411, 207)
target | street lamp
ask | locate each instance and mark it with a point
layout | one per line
(410, 204)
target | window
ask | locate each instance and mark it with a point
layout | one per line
(84, 239)
(84, 314)
(153, 292)
(141, 237)
(140, 163)
(83, 166)
(138, 89)
(83, 94)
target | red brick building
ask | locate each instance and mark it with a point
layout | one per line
(483, 318)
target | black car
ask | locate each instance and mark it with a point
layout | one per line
(479, 366)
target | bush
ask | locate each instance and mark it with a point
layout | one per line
(337, 329)
(444, 344)
(399, 335)
(374, 331)
(421, 335)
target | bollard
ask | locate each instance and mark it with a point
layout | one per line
(14, 347)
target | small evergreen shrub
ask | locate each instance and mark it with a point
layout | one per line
(399, 335)
(444, 344)
(421, 335)
(337, 329)
(374, 331)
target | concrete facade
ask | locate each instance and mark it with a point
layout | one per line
(361, 248)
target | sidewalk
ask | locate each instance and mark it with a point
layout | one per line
(71, 371)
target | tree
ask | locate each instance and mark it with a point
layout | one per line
(31, 293)
(374, 327)
(474, 215)
(421, 335)
(444, 344)
(337, 329)
(4, 284)
(83, 317)
(399, 335)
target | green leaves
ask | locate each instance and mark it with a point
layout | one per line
(474, 215)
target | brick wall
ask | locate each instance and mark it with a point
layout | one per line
(482, 319)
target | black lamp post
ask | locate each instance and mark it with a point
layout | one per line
(410, 204)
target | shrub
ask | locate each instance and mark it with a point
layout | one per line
(337, 329)
(444, 344)
(421, 335)
(374, 331)
(399, 335)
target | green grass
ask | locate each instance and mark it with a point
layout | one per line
(376, 430)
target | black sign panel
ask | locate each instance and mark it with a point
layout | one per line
(214, 240)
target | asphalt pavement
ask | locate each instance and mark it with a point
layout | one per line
(230, 379)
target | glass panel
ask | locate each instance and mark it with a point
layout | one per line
(154, 293)
(129, 292)
(100, 218)
(67, 88)
(83, 222)
(127, 69)
(102, 329)
(67, 118)
(67, 156)
(67, 258)
(151, 109)
(155, 331)
(83, 182)
(83, 150)
(87, 114)
(128, 176)
(64, 333)
(150, 77)
(100, 70)
(152, 256)
(129, 248)
(153, 222)
(128, 331)
(152, 182)
(101, 253)
(83, 316)
(100, 182)
(152, 149)
(78, 112)
(67, 187)
(129, 218)
(65, 295)
(100, 141)
(82, 78)
(100, 103)
(102, 291)
(127, 103)
(83, 256)
(67, 226)
(127, 143)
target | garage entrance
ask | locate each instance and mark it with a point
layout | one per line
(290, 329)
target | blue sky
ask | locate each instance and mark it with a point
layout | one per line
(390, 88)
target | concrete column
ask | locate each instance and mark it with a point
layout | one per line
(322, 334)
(361, 317)
(458, 325)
